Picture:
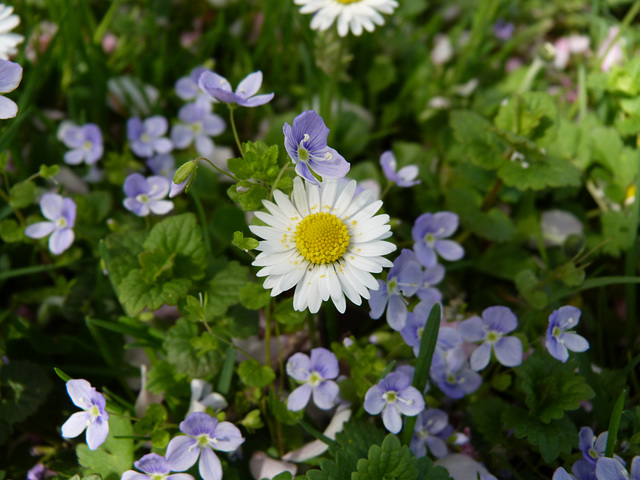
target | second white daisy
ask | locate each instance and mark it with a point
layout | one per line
(354, 15)
(327, 242)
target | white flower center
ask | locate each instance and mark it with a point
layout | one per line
(390, 397)
(145, 138)
(143, 198)
(61, 223)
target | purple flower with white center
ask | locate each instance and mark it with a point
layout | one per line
(451, 373)
(187, 88)
(613, 469)
(430, 425)
(431, 276)
(393, 396)
(94, 417)
(147, 137)
(490, 330)
(199, 124)
(245, 95)
(583, 470)
(162, 164)
(561, 474)
(145, 195)
(593, 448)
(404, 279)
(306, 144)
(62, 215)
(416, 321)
(203, 435)
(85, 143)
(155, 467)
(429, 233)
(405, 177)
(317, 373)
(10, 77)
(559, 341)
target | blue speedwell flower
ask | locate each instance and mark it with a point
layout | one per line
(593, 447)
(203, 435)
(490, 330)
(559, 341)
(145, 195)
(187, 88)
(430, 427)
(85, 143)
(155, 467)
(148, 138)
(245, 95)
(306, 144)
(62, 215)
(198, 126)
(317, 374)
(94, 417)
(393, 396)
(431, 276)
(429, 235)
(405, 177)
(403, 279)
(451, 373)
(417, 320)
(10, 77)
(614, 469)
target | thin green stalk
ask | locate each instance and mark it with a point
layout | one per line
(267, 333)
(614, 424)
(228, 174)
(277, 180)
(632, 262)
(531, 74)
(628, 18)
(280, 359)
(203, 221)
(235, 131)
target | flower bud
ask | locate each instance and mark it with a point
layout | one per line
(184, 172)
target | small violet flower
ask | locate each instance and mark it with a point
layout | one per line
(592, 447)
(431, 276)
(393, 396)
(559, 341)
(147, 138)
(10, 77)
(430, 426)
(417, 320)
(561, 474)
(187, 88)
(317, 373)
(429, 233)
(203, 396)
(613, 469)
(198, 126)
(155, 467)
(62, 215)
(40, 472)
(306, 144)
(94, 417)
(203, 435)
(145, 195)
(490, 330)
(404, 279)
(451, 373)
(503, 30)
(405, 177)
(85, 143)
(162, 164)
(245, 95)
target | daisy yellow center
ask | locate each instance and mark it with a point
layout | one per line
(347, 2)
(322, 238)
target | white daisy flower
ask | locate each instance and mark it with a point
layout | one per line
(326, 242)
(8, 41)
(351, 15)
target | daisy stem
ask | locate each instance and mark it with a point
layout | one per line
(235, 131)
(386, 190)
(267, 333)
(280, 360)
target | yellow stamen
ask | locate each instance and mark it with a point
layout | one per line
(322, 238)
(347, 2)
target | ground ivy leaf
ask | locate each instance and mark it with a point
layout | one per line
(389, 461)
(249, 200)
(242, 243)
(11, 231)
(253, 374)
(135, 293)
(356, 438)
(479, 143)
(285, 314)
(542, 172)
(181, 354)
(114, 456)
(551, 387)
(484, 412)
(224, 288)
(428, 471)
(22, 194)
(552, 439)
(241, 168)
(154, 263)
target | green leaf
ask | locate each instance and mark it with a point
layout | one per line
(381, 74)
(528, 286)
(181, 354)
(224, 288)
(254, 296)
(280, 411)
(285, 314)
(114, 456)
(467, 203)
(253, 374)
(241, 168)
(242, 243)
(250, 199)
(552, 439)
(389, 461)
(49, 171)
(541, 172)
(551, 387)
(4, 160)
(154, 416)
(356, 438)
(616, 227)
(11, 231)
(428, 471)
(480, 144)
(22, 194)
(252, 420)
(154, 263)
(484, 413)
(533, 115)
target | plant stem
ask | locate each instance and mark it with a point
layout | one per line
(235, 131)
(230, 175)
(277, 180)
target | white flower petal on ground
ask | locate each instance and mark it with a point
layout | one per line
(350, 15)
(326, 243)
